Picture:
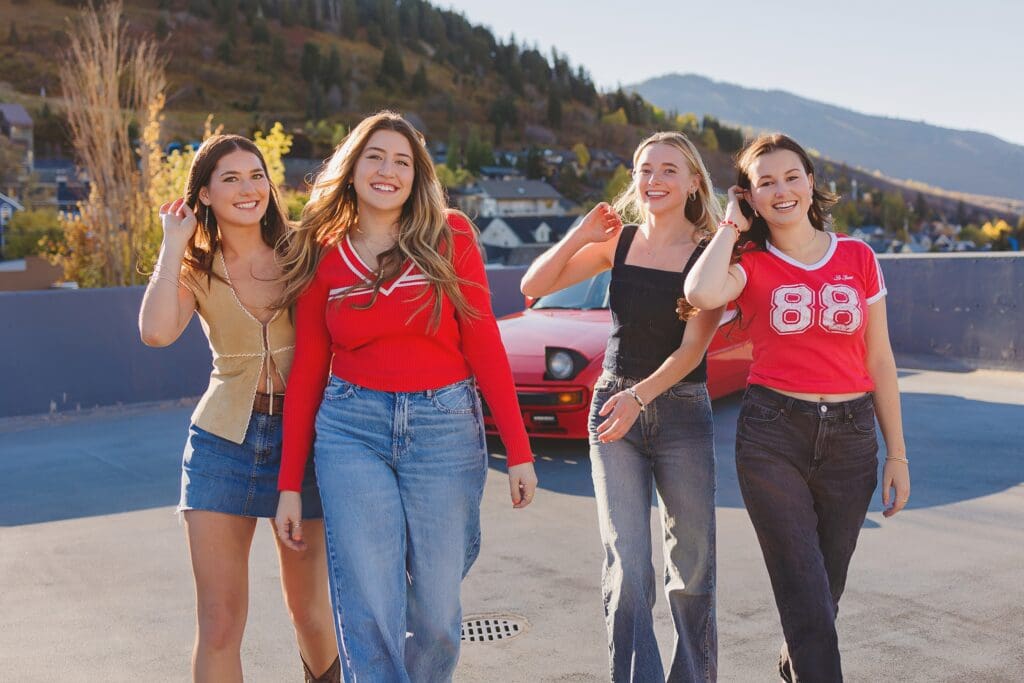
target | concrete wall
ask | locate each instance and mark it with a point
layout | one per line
(68, 349)
(967, 308)
(61, 350)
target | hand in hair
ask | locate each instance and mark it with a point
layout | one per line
(733, 212)
(601, 224)
(178, 221)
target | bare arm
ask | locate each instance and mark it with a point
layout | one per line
(712, 282)
(881, 365)
(584, 252)
(168, 305)
(624, 409)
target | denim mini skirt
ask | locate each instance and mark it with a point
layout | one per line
(218, 475)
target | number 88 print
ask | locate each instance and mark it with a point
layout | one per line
(793, 309)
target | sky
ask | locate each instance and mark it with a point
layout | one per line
(952, 64)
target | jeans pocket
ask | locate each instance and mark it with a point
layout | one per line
(455, 399)
(757, 414)
(688, 391)
(864, 421)
(338, 389)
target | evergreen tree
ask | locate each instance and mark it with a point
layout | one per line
(554, 109)
(453, 159)
(503, 113)
(478, 152)
(331, 69)
(392, 71)
(12, 35)
(420, 85)
(309, 65)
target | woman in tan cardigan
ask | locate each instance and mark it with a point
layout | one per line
(218, 259)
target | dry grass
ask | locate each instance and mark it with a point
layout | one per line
(109, 80)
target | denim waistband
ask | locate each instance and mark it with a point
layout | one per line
(621, 382)
(470, 381)
(769, 397)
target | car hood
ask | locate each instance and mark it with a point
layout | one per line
(528, 332)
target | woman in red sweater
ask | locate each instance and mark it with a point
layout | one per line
(394, 332)
(806, 450)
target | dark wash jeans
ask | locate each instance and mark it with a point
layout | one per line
(807, 472)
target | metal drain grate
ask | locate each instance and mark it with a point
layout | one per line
(484, 629)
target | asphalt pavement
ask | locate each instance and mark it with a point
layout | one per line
(95, 582)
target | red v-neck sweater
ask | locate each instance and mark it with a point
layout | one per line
(381, 348)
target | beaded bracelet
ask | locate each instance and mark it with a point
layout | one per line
(730, 224)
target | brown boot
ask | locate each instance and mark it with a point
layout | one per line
(332, 675)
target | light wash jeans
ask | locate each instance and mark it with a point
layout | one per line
(671, 445)
(401, 477)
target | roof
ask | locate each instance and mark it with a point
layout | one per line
(13, 202)
(525, 226)
(16, 115)
(518, 189)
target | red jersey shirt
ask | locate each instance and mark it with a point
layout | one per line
(388, 348)
(807, 322)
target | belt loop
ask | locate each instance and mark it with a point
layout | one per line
(787, 407)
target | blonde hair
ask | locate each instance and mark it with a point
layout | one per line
(424, 235)
(703, 210)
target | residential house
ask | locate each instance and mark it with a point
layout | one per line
(489, 198)
(16, 124)
(514, 240)
(7, 208)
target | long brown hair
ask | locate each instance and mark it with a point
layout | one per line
(424, 235)
(821, 200)
(757, 236)
(206, 239)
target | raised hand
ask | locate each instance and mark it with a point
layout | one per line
(601, 224)
(733, 212)
(178, 221)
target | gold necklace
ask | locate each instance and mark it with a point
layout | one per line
(806, 245)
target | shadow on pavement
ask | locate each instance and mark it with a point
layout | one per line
(960, 448)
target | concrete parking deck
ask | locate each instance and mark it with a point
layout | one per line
(95, 582)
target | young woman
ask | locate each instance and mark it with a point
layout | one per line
(650, 420)
(823, 367)
(217, 259)
(394, 333)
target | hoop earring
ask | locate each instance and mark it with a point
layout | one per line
(693, 195)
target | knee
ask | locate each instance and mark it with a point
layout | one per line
(309, 614)
(221, 625)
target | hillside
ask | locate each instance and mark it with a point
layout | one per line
(964, 161)
(316, 64)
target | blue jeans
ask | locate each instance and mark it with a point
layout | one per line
(671, 445)
(401, 478)
(807, 472)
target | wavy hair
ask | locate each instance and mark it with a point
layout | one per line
(424, 235)
(206, 239)
(703, 210)
(821, 200)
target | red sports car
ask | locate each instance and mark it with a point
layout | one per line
(556, 348)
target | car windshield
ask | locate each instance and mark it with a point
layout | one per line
(587, 295)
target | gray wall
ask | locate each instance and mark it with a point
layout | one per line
(61, 350)
(967, 308)
(68, 349)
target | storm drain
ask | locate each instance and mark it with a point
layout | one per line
(484, 629)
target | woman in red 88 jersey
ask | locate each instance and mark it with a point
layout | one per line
(823, 369)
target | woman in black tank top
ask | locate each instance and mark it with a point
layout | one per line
(650, 420)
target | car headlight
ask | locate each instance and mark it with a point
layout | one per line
(562, 364)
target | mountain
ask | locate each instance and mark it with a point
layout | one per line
(959, 160)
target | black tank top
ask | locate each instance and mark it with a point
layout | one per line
(645, 327)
